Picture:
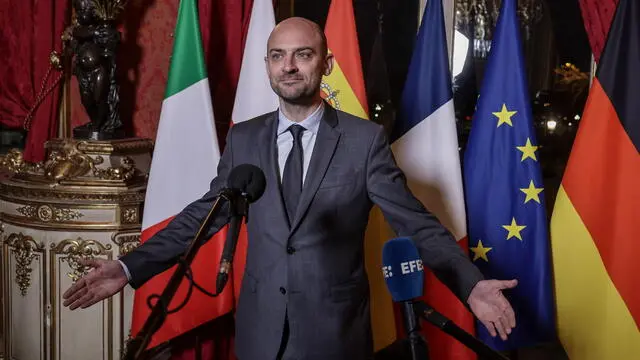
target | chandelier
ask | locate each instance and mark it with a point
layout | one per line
(477, 19)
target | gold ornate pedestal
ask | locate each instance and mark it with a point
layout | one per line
(83, 202)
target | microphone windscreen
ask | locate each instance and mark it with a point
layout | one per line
(248, 179)
(402, 269)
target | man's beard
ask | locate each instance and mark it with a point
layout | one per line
(299, 96)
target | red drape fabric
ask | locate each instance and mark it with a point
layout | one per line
(597, 16)
(224, 25)
(31, 30)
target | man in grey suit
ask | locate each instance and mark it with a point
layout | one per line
(305, 293)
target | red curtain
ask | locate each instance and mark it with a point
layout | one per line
(143, 60)
(31, 30)
(224, 25)
(597, 16)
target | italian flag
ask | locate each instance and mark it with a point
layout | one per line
(184, 162)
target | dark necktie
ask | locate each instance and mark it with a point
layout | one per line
(292, 176)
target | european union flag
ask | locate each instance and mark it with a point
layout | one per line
(508, 232)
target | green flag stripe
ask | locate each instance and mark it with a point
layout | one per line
(187, 61)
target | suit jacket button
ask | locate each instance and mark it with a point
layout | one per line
(291, 250)
(282, 290)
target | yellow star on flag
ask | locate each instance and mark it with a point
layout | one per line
(533, 193)
(504, 116)
(480, 252)
(528, 151)
(514, 229)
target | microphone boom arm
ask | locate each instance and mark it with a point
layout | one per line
(449, 327)
(137, 346)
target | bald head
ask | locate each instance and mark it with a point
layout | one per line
(296, 60)
(304, 28)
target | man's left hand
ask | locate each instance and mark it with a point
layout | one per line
(491, 307)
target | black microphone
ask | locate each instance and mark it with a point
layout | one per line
(246, 183)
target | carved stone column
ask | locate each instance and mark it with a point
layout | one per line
(84, 201)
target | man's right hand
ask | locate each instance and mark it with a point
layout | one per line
(105, 279)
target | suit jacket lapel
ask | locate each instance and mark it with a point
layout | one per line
(269, 162)
(323, 150)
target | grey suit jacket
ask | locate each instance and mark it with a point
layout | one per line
(314, 268)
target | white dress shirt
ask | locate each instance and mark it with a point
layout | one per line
(285, 138)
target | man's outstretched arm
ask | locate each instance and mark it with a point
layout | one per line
(155, 255)
(387, 188)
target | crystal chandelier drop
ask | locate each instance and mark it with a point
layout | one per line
(477, 19)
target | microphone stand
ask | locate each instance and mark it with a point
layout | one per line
(238, 209)
(138, 345)
(417, 344)
(429, 314)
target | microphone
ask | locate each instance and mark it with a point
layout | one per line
(404, 275)
(246, 184)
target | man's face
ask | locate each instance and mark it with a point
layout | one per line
(296, 63)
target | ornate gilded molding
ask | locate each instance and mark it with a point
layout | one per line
(126, 241)
(113, 147)
(125, 172)
(24, 248)
(70, 162)
(76, 250)
(67, 161)
(47, 213)
(13, 191)
(14, 162)
(129, 215)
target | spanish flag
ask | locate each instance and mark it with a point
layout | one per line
(344, 87)
(344, 90)
(595, 224)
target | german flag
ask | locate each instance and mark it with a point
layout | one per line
(596, 220)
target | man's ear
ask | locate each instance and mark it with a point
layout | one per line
(328, 64)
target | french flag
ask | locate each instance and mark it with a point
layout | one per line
(424, 141)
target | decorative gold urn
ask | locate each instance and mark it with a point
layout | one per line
(84, 201)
